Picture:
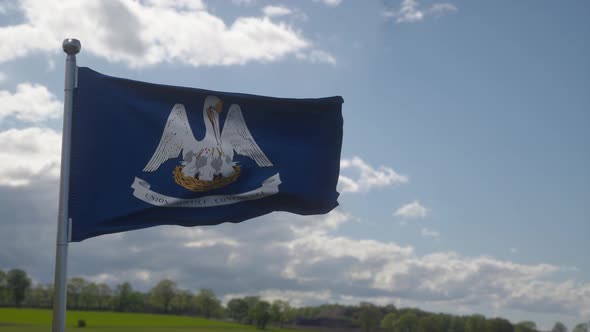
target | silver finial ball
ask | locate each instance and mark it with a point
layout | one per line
(71, 46)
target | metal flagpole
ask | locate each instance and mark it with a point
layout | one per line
(71, 47)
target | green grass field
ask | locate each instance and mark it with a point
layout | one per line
(37, 320)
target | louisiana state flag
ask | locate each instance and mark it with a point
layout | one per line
(144, 155)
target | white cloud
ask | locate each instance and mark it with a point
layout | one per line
(367, 177)
(211, 242)
(50, 65)
(272, 11)
(147, 33)
(549, 297)
(178, 4)
(429, 233)
(412, 210)
(317, 56)
(28, 155)
(441, 9)
(30, 102)
(410, 11)
(243, 2)
(331, 3)
(407, 12)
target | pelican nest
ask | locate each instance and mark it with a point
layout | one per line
(194, 184)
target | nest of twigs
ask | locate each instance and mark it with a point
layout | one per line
(195, 184)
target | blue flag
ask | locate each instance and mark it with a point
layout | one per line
(145, 155)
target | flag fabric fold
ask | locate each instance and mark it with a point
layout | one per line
(145, 155)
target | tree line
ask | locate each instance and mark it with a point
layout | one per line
(16, 289)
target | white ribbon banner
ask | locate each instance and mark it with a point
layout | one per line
(141, 190)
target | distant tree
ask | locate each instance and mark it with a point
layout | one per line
(18, 283)
(16, 289)
(433, 323)
(124, 297)
(41, 296)
(427, 323)
(251, 301)
(75, 287)
(583, 327)
(387, 323)
(308, 312)
(335, 311)
(525, 326)
(499, 325)
(138, 301)
(183, 302)
(559, 327)
(475, 323)
(414, 311)
(163, 293)
(443, 322)
(208, 304)
(290, 315)
(237, 310)
(3, 288)
(369, 316)
(407, 322)
(280, 312)
(456, 324)
(390, 308)
(89, 296)
(261, 314)
(275, 311)
(104, 296)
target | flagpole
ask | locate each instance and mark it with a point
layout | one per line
(71, 47)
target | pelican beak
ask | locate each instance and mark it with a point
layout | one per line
(211, 116)
(219, 107)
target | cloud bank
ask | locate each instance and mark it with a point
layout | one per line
(410, 11)
(301, 259)
(365, 177)
(150, 32)
(412, 210)
(29, 103)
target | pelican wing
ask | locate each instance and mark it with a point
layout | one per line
(177, 136)
(237, 134)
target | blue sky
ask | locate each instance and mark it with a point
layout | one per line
(465, 164)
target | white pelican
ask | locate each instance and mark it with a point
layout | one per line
(214, 154)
